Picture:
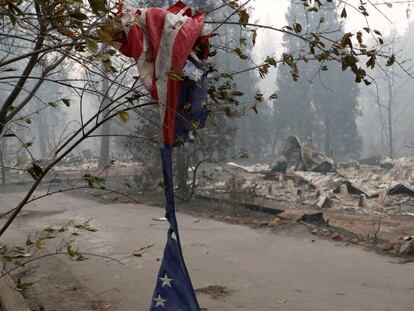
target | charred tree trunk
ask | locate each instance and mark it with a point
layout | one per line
(3, 169)
(328, 143)
(33, 61)
(43, 136)
(390, 122)
(106, 128)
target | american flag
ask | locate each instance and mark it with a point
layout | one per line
(162, 41)
(169, 47)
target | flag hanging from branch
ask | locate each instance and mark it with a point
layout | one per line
(169, 46)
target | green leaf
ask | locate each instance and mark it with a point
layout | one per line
(258, 96)
(232, 4)
(243, 17)
(346, 40)
(237, 93)
(107, 32)
(66, 101)
(297, 27)
(359, 37)
(344, 14)
(367, 82)
(108, 67)
(273, 96)
(70, 251)
(92, 180)
(49, 230)
(98, 6)
(391, 60)
(123, 116)
(40, 244)
(271, 61)
(371, 62)
(92, 45)
(245, 155)
(141, 251)
(240, 53)
(78, 16)
(105, 36)
(21, 287)
(35, 171)
(312, 9)
(254, 37)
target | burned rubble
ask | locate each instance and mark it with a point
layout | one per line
(304, 177)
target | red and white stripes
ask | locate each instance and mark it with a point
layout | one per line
(161, 40)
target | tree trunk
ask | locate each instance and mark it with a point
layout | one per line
(328, 144)
(106, 128)
(43, 136)
(3, 169)
(390, 132)
(390, 123)
(33, 60)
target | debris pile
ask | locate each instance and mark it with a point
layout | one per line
(302, 177)
(295, 156)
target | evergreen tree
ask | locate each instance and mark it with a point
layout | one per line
(322, 101)
(294, 113)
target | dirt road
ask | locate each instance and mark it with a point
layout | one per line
(246, 269)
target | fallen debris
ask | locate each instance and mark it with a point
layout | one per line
(407, 248)
(324, 202)
(297, 156)
(315, 219)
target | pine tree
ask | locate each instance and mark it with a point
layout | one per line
(294, 113)
(335, 96)
(322, 104)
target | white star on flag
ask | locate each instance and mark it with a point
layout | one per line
(197, 75)
(159, 301)
(166, 281)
